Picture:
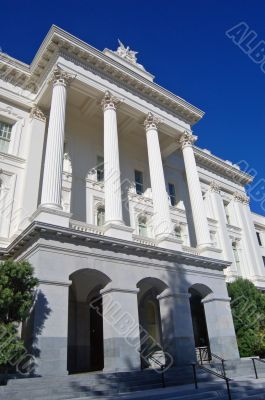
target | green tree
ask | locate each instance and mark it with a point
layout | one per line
(17, 290)
(248, 310)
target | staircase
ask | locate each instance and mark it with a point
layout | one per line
(145, 384)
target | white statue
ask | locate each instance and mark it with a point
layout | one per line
(126, 53)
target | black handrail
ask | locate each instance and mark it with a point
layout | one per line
(162, 366)
(254, 365)
(222, 361)
(194, 375)
(219, 376)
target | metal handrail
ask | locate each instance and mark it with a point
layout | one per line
(254, 365)
(219, 376)
(222, 361)
(162, 366)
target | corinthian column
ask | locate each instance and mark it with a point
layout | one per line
(162, 221)
(112, 184)
(194, 187)
(52, 177)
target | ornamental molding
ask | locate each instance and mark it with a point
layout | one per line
(58, 41)
(151, 122)
(37, 113)
(110, 102)
(215, 187)
(37, 230)
(10, 112)
(187, 139)
(241, 198)
(61, 77)
(219, 166)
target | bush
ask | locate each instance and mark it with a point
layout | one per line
(248, 310)
(17, 290)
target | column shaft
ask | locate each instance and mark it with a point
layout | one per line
(112, 183)
(121, 329)
(178, 337)
(52, 177)
(162, 220)
(194, 187)
(220, 326)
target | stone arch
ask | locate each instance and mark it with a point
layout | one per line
(198, 292)
(85, 325)
(149, 317)
(99, 213)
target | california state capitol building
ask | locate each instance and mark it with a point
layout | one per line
(133, 231)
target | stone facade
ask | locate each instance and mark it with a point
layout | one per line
(132, 230)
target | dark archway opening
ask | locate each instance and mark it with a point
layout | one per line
(85, 322)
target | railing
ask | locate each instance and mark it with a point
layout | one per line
(162, 367)
(203, 354)
(190, 250)
(227, 380)
(144, 240)
(222, 362)
(254, 365)
(83, 227)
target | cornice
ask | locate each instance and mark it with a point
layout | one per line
(57, 40)
(39, 230)
(220, 166)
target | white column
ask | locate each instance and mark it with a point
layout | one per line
(52, 178)
(219, 214)
(162, 220)
(112, 183)
(194, 187)
(251, 250)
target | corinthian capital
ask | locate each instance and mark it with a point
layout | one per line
(214, 187)
(187, 139)
(241, 198)
(110, 102)
(37, 113)
(151, 122)
(59, 76)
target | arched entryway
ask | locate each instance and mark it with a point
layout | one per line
(149, 318)
(198, 292)
(85, 325)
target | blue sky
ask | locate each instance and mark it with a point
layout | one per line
(183, 44)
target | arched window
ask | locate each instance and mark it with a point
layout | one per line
(236, 254)
(100, 215)
(142, 225)
(177, 232)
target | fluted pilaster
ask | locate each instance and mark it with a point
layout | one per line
(112, 184)
(162, 220)
(194, 187)
(52, 178)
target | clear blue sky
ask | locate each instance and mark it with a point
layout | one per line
(182, 43)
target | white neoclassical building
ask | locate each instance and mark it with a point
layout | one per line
(131, 228)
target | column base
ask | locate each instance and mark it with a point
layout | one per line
(118, 231)
(51, 216)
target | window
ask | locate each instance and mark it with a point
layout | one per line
(100, 216)
(177, 232)
(263, 258)
(172, 194)
(213, 238)
(138, 177)
(5, 136)
(226, 204)
(236, 255)
(142, 226)
(259, 238)
(100, 168)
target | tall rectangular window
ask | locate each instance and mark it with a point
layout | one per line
(5, 136)
(259, 238)
(172, 194)
(138, 178)
(227, 212)
(263, 258)
(100, 168)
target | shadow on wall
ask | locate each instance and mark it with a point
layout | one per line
(33, 327)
